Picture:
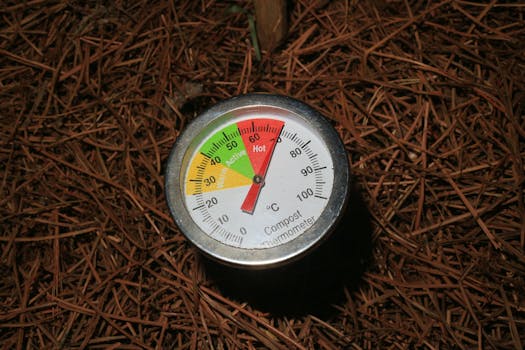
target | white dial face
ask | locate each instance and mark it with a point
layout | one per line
(258, 180)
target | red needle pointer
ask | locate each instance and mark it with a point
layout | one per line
(248, 206)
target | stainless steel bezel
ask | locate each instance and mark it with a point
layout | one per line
(268, 257)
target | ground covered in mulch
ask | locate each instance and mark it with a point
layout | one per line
(428, 97)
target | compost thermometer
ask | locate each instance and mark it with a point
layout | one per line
(257, 180)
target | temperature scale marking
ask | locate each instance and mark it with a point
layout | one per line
(238, 158)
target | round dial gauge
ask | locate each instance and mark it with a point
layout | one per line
(257, 180)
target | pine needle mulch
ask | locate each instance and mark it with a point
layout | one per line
(429, 98)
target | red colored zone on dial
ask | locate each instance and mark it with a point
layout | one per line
(260, 137)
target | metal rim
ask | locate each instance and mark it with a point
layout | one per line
(269, 257)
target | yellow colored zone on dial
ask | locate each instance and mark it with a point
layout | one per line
(202, 176)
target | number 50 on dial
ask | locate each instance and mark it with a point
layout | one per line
(257, 180)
